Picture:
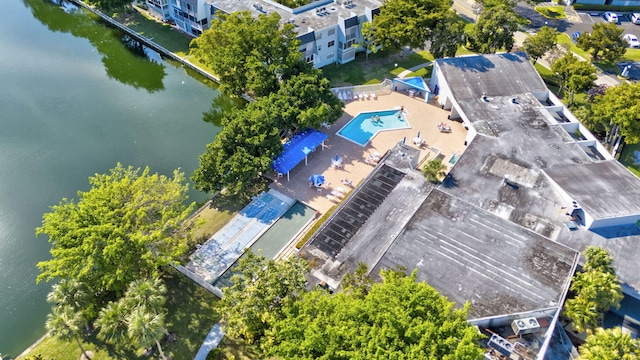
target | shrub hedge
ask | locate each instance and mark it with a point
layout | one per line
(603, 8)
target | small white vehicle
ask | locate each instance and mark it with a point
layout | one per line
(632, 40)
(611, 17)
(635, 18)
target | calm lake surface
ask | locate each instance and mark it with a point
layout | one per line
(74, 101)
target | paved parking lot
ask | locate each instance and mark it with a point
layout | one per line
(588, 19)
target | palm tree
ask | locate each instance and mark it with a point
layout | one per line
(146, 328)
(610, 344)
(434, 170)
(148, 293)
(597, 258)
(112, 323)
(582, 312)
(71, 293)
(65, 323)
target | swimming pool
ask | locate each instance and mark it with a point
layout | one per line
(362, 128)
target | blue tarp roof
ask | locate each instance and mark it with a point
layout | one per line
(296, 149)
(415, 82)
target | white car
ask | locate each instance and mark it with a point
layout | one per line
(632, 40)
(611, 17)
(635, 18)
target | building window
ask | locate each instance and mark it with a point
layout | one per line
(349, 44)
(203, 21)
(309, 58)
(331, 32)
(319, 35)
(319, 47)
(331, 43)
(188, 6)
(331, 55)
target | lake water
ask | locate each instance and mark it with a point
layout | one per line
(74, 101)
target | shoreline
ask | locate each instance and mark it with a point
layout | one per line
(32, 346)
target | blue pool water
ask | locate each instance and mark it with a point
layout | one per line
(361, 128)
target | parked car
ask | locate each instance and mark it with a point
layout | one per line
(632, 40)
(635, 18)
(611, 17)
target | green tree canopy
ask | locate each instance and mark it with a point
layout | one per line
(261, 289)
(447, 36)
(408, 22)
(542, 42)
(494, 29)
(575, 75)
(368, 41)
(249, 54)
(252, 137)
(126, 226)
(597, 289)
(604, 40)
(397, 319)
(242, 150)
(610, 344)
(619, 110)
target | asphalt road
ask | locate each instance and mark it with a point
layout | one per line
(465, 8)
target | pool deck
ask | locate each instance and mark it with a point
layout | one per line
(423, 117)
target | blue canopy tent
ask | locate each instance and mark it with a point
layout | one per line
(413, 85)
(296, 149)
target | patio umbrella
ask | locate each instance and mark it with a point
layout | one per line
(336, 158)
(404, 140)
(418, 134)
(316, 180)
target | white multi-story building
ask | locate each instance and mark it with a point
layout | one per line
(328, 30)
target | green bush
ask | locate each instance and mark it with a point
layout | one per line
(603, 8)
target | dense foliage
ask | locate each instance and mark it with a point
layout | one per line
(597, 289)
(250, 54)
(494, 29)
(610, 344)
(123, 228)
(399, 318)
(605, 40)
(619, 110)
(408, 22)
(574, 74)
(251, 137)
(543, 41)
(261, 290)
(447, 36)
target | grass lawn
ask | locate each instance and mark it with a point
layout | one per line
(234, 349)
(565, 41)
(380, 65)
(163, 34)
(626, 158)
(551, 12)
(190, 314)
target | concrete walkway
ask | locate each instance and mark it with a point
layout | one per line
(210, 342)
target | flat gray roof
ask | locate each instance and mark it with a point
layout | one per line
(471, 255)
(304, 21)
(493, 74)
(605, 189)
(465, 252)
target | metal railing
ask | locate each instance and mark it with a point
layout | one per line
(383, 88)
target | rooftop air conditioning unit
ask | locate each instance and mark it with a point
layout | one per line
(525, 326)
(501, 345)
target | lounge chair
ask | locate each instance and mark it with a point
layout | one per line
(374, 96)
(361, 96)
(366, 95)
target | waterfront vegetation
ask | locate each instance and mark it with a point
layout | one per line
(191, 312)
